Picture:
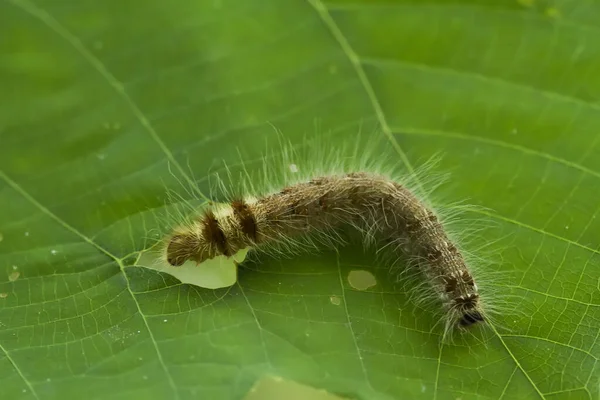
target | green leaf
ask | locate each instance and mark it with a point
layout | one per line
(106, 102)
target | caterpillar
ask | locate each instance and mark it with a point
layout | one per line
(319, 205)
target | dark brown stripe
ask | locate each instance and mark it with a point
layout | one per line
(467, 278)
(245, 217)
(294, 208)
(214, 234)
(452, 248)
(411, 228)
(433, 255)
(285, 190)
(451, 283)
(355, 196)
(323, 201)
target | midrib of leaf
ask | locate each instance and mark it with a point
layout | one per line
(354, 59)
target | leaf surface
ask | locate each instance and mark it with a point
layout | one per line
(108, 103)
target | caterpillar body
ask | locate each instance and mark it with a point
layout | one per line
(323, 203)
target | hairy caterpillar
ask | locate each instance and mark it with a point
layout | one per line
(316, 207)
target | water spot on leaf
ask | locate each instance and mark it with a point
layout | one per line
(335, 300)
(53, 252)
(293, 168)
(3, 295)
(361, 279)
(14, 276)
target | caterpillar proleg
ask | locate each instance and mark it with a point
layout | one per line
(316, 206)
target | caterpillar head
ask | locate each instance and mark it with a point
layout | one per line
(470, 317)
(466, 311)
(182, 247)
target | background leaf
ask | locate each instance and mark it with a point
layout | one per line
(101, 97)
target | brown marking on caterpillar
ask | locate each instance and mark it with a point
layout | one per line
(452, 249)
(467, 278)
(451, 283)
(466, 302)
(411, 229)
(328, 202)
(214, 234)
(244, 215)
(284, 191)
(434, 255)
(294, 208)
(323, 202)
